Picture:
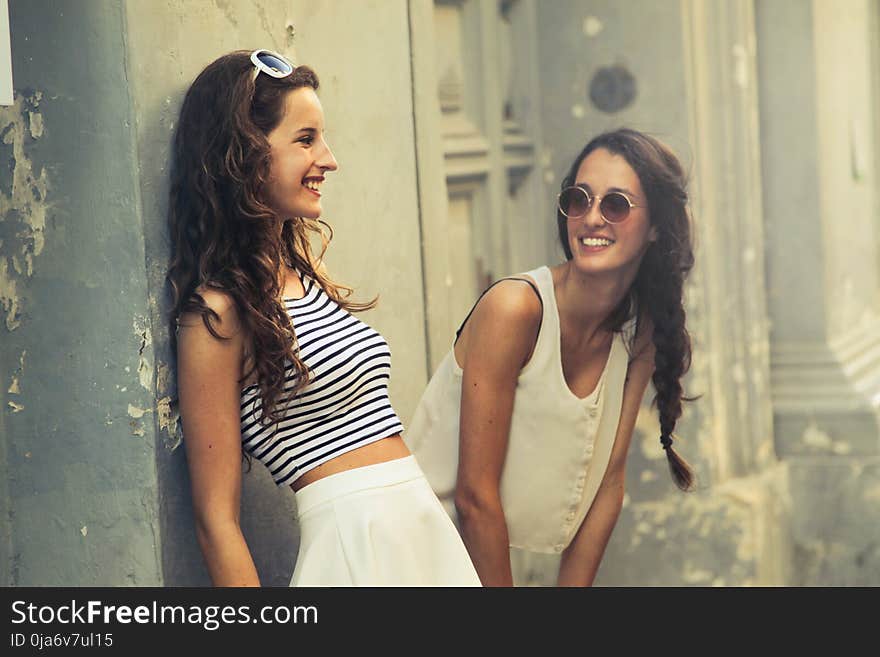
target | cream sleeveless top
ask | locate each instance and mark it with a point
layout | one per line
(559, 444)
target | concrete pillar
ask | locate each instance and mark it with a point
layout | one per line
(76, 356)
(818, 65)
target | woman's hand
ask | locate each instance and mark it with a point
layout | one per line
(208, 374)
(495, 344)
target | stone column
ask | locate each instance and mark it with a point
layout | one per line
(818, 65)
(76, 353)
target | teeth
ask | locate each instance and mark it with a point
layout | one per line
(312, 184)
(595, 241)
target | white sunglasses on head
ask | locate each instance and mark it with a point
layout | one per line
(270, 63)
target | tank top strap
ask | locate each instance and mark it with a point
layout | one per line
(546, 353)
(628, 331)
(507, 278)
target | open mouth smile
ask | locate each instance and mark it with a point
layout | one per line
(595, 243)
(313, 185)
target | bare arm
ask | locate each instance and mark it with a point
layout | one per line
(581, 559)
(498, 339)
(208, 371)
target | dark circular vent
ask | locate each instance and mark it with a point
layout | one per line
(612, 89)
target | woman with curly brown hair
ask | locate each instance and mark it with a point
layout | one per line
(524, 429)
(270, 359)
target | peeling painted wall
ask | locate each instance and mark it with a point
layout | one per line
(23, 205)
(835, 535)
(76, 358)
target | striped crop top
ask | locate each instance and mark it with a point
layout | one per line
(344, 406)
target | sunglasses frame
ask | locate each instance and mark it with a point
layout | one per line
(261, 66)
(595, 198)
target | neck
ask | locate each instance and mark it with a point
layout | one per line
(587, 300)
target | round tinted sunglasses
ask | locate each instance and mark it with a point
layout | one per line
(575, 202)
(270, 63)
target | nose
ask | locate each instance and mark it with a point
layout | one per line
(593, 217)
(327, 162)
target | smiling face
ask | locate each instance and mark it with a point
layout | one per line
(600, 247)
(299, 157)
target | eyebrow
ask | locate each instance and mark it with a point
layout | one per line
(312, 131)
(622, 190)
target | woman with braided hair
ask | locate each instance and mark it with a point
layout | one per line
(524, 429)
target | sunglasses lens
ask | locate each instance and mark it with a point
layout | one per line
(278, 65)
(574, 202)
(614, 207)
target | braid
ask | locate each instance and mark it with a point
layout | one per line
(661, 297)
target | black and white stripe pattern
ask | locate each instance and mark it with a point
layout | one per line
(345, 404)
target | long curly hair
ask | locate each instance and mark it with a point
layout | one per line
(658, 287)
(224, 235)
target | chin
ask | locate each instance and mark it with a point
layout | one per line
(307, 213)
(589, 266)
(595, 264)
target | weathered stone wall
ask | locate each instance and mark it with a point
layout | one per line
(78, 418)
(818, 63)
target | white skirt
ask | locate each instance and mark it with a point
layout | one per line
(378, 525)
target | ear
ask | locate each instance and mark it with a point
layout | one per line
(652, 234)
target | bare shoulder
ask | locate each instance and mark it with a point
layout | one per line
(227, 322)
(511, 301)
(503, 326)
(211, 347)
